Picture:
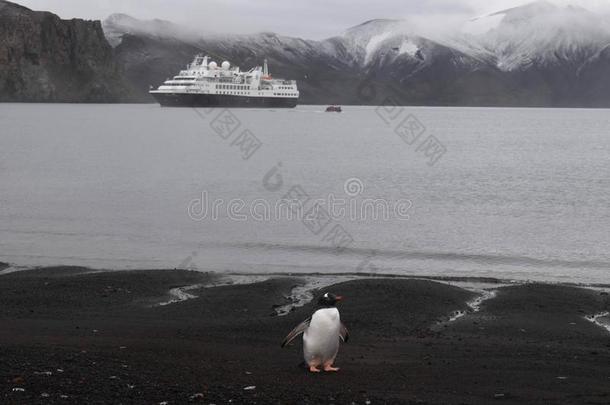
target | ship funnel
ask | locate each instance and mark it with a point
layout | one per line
(265, 68)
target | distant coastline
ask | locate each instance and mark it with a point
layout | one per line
(121, 57)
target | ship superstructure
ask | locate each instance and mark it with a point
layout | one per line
(205, 84)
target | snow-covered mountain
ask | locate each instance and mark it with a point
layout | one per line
(364, 42)
(117, 25)
(539, 34)
(536, 54)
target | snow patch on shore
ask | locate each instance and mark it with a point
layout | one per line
(180, 294)
(474, 305)
(598, 319)
(303, 293)
(300, 294)
(13, 269)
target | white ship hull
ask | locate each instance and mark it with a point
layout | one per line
(221, 100)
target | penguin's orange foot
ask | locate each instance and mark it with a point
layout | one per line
(313, 369)
(330, 368)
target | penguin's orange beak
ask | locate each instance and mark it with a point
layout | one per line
(339, 298)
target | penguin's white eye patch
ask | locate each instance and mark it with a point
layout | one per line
(326, 295)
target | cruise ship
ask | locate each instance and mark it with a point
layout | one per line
(205, 84)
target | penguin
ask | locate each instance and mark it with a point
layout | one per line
(321, 335)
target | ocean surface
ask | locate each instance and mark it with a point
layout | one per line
(479, 192)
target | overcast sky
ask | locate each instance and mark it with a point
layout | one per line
(315, 19)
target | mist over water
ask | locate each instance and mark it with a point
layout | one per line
(519, 193)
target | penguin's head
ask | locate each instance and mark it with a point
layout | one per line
(329, 300)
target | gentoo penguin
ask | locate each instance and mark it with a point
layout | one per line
(321, 334)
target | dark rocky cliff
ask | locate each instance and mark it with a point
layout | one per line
(46, 59)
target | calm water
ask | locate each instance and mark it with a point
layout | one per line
(519, 193)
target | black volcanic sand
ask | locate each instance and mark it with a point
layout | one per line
(70, 336)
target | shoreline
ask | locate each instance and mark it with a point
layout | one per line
(306, 284)
(105, 330)
(7, 268)
(374, 105)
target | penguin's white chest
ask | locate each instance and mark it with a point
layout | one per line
(321, 339)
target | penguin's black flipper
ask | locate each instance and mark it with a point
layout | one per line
(300, 328)
(344, 333)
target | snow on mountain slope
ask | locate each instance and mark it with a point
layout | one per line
(536, 54)
(117, 25)
(537, 34)
(408, 47)
(264, 44)
(383, 43)
(366, 39)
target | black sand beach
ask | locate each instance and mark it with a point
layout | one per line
(68, 336)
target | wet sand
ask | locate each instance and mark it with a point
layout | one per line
(69, 336)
